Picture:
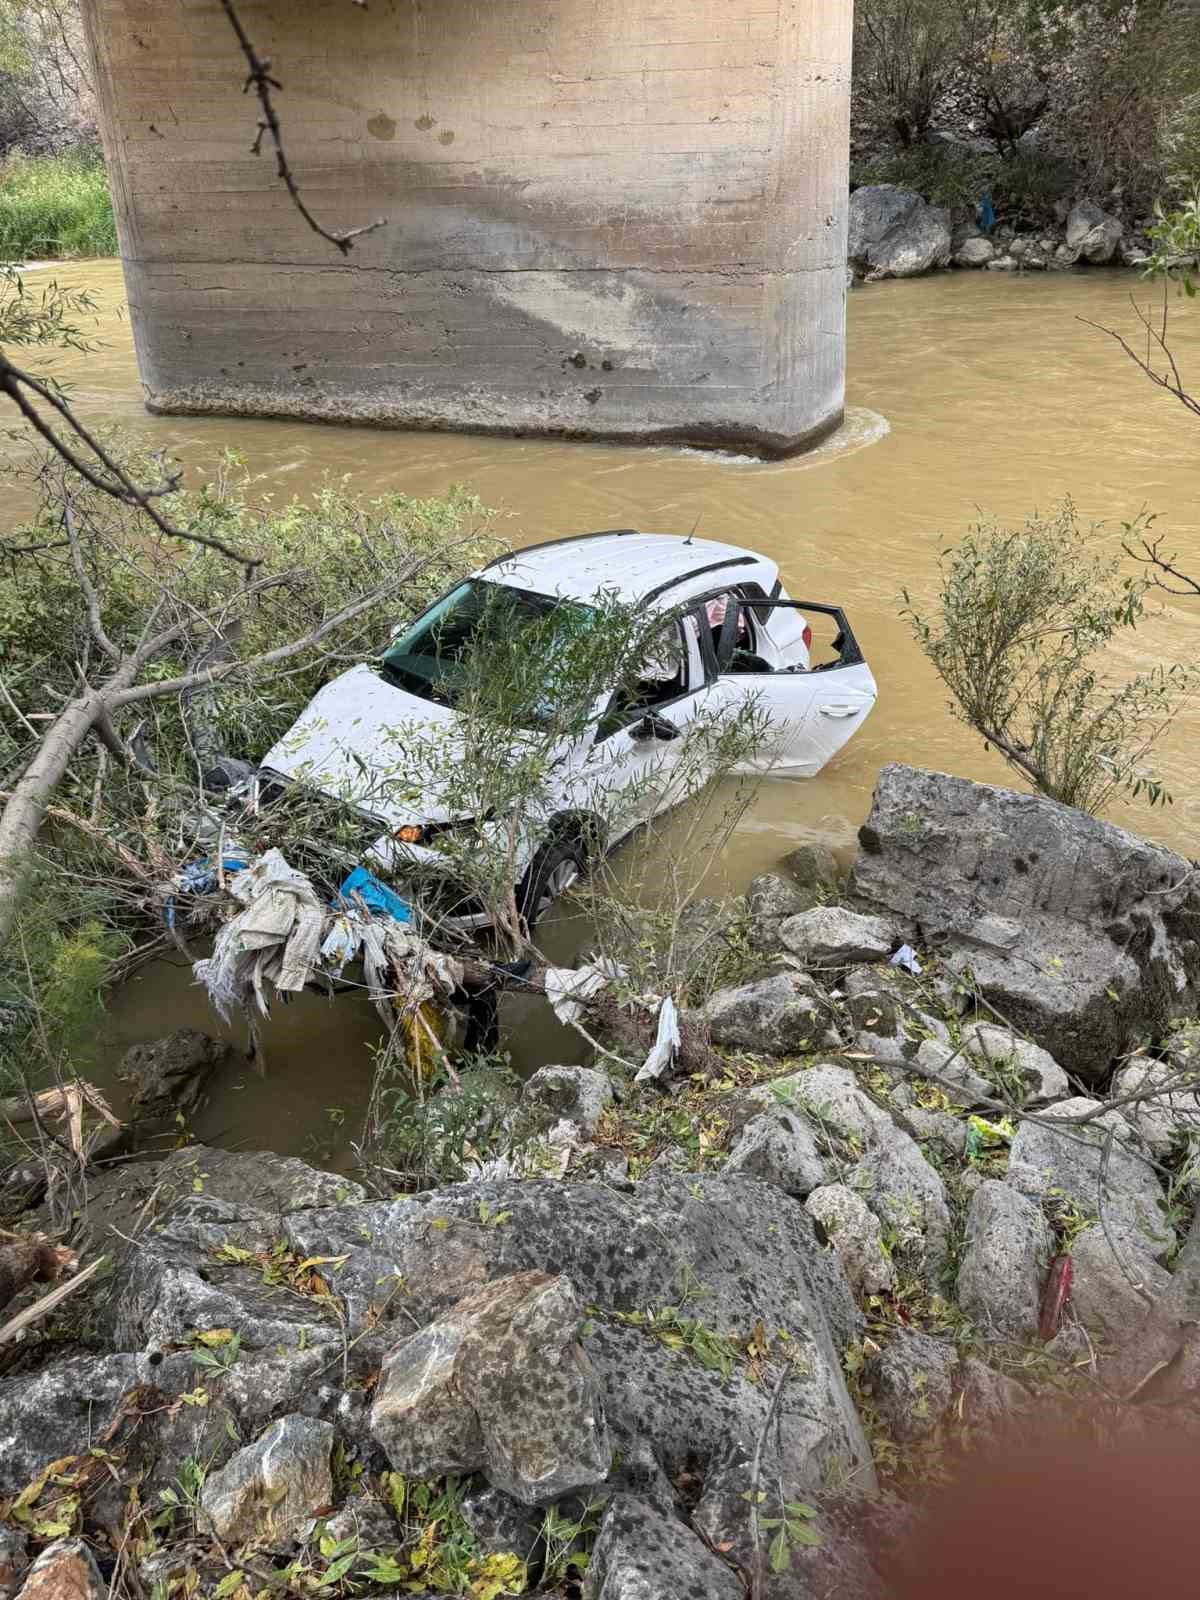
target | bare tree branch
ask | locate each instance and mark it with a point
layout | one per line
(260, 80)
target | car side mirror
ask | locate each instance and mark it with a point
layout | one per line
(652, 727)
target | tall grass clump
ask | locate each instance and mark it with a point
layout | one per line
(55, 206)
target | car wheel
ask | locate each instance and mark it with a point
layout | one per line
(553, 871)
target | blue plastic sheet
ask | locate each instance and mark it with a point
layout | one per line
(375, 895)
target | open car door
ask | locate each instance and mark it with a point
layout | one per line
(813, 710)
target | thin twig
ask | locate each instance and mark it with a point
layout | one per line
(758, 1576)
(260, 80)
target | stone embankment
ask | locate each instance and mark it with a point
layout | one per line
(945, 1175)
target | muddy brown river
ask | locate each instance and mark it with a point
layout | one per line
(967, 393)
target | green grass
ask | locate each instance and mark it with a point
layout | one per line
(55, 206)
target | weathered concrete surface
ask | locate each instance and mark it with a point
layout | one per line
(602, 221)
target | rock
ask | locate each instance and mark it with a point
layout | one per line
(954, 1075)
(855, 1234)
(771, 898)
(814, 869)
(364, 1519)
(1064, 256)
(999, 1047)
(498, 1385)
(1066, 1166)
(830, 936)
(1004, 263)
(878, 1021)
(171, 1074)
(779, 1148)
(270, 1487)
(501, 1525)
(912, 1381)
(829, 1096)
(1093, 233)
(1172, 1117)
(1053, 911)
(894, 234)
(1007, 1252)
(909, 1198)
(55, 1410)
(975, 252)
(700, 926)
(1105, 1283)
(642, 1555)
(679, 1411)
(14, 1558)
(580, 1095)
(778, 1016)
(939, 1127)
(253, 1178)
(989, 1396)
(65, 1570)
(663, 1241)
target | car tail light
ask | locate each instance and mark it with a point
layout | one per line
(807, 637)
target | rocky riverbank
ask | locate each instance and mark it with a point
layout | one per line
(942, 1174)
(895, 233)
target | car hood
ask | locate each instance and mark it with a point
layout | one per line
(359, 740)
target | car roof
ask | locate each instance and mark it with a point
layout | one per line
(628, 564)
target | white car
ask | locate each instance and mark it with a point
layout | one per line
(730, 632)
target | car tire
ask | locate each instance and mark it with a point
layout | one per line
(551, 873)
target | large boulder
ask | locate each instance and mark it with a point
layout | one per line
(1092, 233)
(1084, 937)
(974, 252)
(1169, 1115)
(1032, 1073)
(498, 1385)
(779, 1147)
(912, 1381)
(893, 233)
(831, 936)
(1114, 1278)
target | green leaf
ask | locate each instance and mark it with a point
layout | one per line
(778, 1554)
(230, 1582)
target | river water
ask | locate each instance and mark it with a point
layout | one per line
(967, 393)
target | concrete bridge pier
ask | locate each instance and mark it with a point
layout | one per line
(617, 220)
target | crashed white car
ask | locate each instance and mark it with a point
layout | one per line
(730, 633)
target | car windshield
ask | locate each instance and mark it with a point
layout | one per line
(431, 658)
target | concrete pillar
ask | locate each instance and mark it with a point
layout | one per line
(616, 219)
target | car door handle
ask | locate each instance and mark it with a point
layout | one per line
(839, 710)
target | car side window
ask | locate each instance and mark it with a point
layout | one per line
(662, 675)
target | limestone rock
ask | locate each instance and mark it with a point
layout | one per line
(912, 1380)
(501, 1525)
(580, 1095)
(908, 1196)
(828, 1095)
(954, 1074)
(777, 1016)
(771, 898)
(779, 1148)
(631, 1250)
(1008, 1249)
(1169, 1118)
(988, 1395)
(65, 1570)
(642, 1555)
(1047, 1163)
(171, 1074)
(1105, 1281)
(1053, 911)
(498, 1385)
(1044, 1078)
(893, 233)
(49, 1413)
(855, 1234)
(364, 1519)
(976, 252)
(939, 1127)
(14, 1558)
(254, 1178)
(1004, 263)
(831, 936)
(270, 1487)
(813, 868)
(1093, 233)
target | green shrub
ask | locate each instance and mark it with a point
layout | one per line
(55, 206)
(1023, 187)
